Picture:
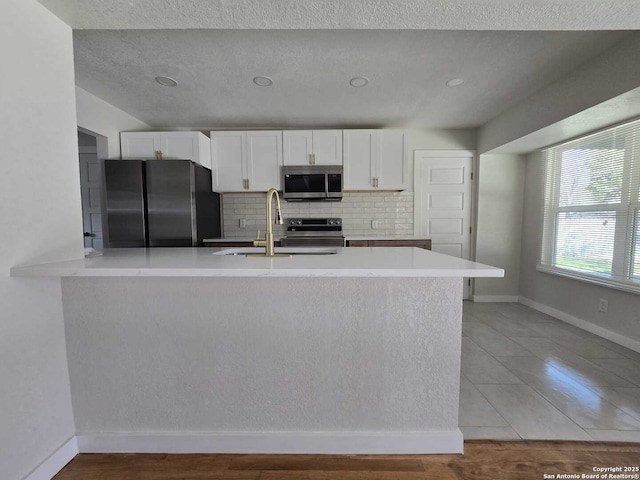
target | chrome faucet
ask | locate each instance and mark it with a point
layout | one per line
(268, 239)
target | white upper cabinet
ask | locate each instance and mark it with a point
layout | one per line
(264, 159)
(246, 161)
(166, 145)
(375, 160)
(297, 147)
(391, 172)
(229, 157)
(312, 147)
(139, 145)
(327, 147)
(359, 158)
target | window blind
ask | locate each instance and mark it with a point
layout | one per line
(592, 208)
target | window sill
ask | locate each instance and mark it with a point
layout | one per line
(602, 281)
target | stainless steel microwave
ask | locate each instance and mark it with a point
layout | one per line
(312, 182)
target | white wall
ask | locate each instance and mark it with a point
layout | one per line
(40, 218)
(499, 231)
(575, 298)
(102, 118)
(610, 74)
(265, 363)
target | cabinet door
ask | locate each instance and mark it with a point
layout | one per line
(264, 159)
(180, 146)
(359, 159)
(297, 146)
(391, 166)
(139, 145)
(327, 147)
(228, 154)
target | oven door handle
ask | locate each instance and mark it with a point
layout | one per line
(326, 185)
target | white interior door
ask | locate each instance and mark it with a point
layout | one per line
(90, 189)
(443, 201)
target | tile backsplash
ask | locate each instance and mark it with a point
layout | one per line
(392, 210)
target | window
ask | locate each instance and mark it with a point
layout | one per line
(592, 208)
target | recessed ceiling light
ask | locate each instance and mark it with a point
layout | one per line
(358, 82)
(166, 81)
(454, 82)
(263, 81)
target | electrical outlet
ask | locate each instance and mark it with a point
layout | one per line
(375, 224)
(242, 223)
(603, 305)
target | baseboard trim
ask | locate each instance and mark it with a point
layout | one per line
(583, 324)
(496, 298)
(448, 441)
(55, 462)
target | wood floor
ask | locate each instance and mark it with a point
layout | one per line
(483, 460)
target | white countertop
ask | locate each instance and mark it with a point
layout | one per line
(201, 262)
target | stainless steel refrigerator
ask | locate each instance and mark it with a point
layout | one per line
(159, 203)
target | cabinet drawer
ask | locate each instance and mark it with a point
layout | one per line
(426, 244)
(357, 243)
(421, 243)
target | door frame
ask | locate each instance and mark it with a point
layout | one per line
(102, 151)
(474, 195)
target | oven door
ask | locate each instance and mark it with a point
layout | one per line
(304, 186)
(311, 241)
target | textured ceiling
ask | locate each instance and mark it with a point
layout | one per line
(350, 14)
(311, 71)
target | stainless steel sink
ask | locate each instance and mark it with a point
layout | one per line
(256, 251)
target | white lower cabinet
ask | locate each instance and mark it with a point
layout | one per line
(246, 161)
(192, 146)
(375, 160)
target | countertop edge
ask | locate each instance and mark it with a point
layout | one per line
(346, 237)
(38, 271)
(379, 262)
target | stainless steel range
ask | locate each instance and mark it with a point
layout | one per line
(313, 232)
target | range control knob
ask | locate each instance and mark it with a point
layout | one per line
(299, 222)
(337, 221)
(330, 222)
(292, 222)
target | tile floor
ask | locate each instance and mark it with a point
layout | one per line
(527, 375)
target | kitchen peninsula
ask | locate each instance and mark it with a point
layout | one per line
(183, 350)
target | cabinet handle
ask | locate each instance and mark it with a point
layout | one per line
(158, 154)
(312, 158)
(375, 182)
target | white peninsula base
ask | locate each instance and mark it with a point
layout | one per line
(342, 365)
